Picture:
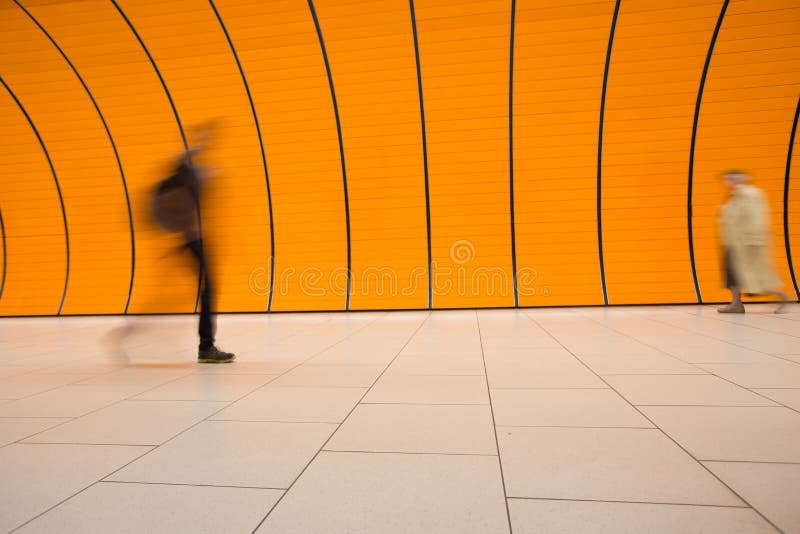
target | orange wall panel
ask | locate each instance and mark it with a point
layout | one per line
(94, 199)
(279, 49)
(640, 266)
(557, 86)
(191, 50)
(35, 239)
(144, 130)
(464, 52)
(371, 51)
(793, 200)
(733, 102)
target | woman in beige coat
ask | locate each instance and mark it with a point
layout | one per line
(744, 229)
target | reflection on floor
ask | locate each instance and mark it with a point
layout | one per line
(645, 419)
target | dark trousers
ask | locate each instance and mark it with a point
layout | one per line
(206, 327)
(730, 276)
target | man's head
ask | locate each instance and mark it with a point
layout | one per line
(734, 178)
(202, 135)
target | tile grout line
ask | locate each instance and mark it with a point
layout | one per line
(140, 483)
(705, 373)
(424, 403)
(152, 448)
(760, 406)
(702, 371)
(75, 418)
(75, 383)
(582, 426)
(179, 433)
(759, 328)
(124, 399)
(65, 499)
(322, 447)
(749, 462)
(587, 388)
(411, 453)
(657, 503)
(664, 432)
(723, 340)
(494, 427)
(751, 390)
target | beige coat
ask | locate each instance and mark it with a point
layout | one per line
(744, 229)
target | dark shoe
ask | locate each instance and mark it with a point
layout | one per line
(214, 355)
(732, 308)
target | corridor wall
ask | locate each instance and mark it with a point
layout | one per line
(401, 154)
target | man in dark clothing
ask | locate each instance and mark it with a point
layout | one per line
(175, 209)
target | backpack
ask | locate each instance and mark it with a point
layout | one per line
(172, 205)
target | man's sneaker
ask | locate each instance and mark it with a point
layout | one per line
(214, 355)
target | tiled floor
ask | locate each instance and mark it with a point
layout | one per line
(645, 419)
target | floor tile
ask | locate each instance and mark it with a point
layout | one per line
(143, 375)
(120, 507)
(132, 423)
(87, 366)
(739, 434)
(535, 516)
(771, 344)
(207, 387)
(68, 401)
(787, 397)
(37, 477)
(443, 350)
(418, 429)
(355, 376)
(226, 453)
(604, 464)
(632, 364)
(393, 493)
(510, 341)
(15, 370)
(12, 429)
(243, 366)
(779, 374)
(719, 352)
(527, 354)
(294, 404)
(564, 407)
(25, 385)
(533, 374)
(700, 390)
(772, 489)
(376, 355)
(415, 389)
(437, 365)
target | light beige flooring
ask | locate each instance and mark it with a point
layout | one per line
(645, 419)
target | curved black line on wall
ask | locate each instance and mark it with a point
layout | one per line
(511, 151)
(424, 151)
(111, 140)
(5, 255)
(177, 119)
(263, 155)
(58, 187)
(155, 68)
(785, 199)
(689, 209)
(600, 152)
(341, 147)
